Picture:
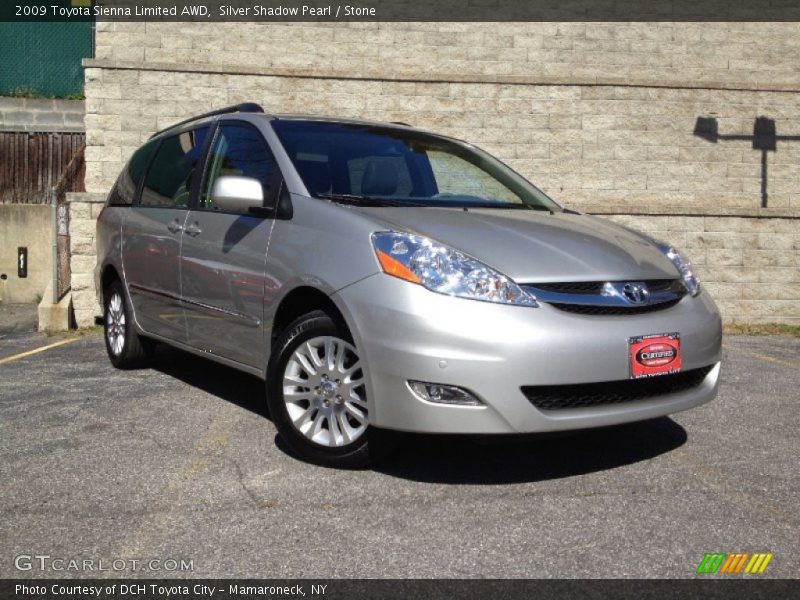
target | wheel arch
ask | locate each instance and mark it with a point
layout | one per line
(108, 275)
(300, 301)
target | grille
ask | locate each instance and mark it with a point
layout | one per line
(596, 287)
(588, 309)
(559, 397)
(572, 287)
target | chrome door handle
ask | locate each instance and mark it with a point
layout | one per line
(175, 226)
(193, 230)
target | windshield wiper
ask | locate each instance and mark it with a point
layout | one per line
(356, 200)
(508, 206)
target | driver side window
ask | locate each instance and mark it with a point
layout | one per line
(240, 150)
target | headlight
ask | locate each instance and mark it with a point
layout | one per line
(444, 270)
(684, 268)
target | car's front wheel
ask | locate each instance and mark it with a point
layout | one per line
(126, 348)
(317, 394)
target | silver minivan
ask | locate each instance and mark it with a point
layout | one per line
(380, 277)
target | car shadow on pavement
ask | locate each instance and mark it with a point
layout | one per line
(213, 378)
(468, 460)
(456, 459)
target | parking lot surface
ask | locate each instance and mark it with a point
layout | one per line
(180, 461)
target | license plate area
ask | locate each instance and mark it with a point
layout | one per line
(654, 354)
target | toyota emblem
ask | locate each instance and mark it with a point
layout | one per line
(635, 292)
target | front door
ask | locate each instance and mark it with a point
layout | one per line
(224, 253)
(151, 252)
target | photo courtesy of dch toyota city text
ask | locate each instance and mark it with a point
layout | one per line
(399, 299)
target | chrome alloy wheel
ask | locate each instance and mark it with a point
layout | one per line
(115, 324)
(324, 392)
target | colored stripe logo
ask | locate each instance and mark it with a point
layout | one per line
(732, 563)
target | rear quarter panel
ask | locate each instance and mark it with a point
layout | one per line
(109, 240)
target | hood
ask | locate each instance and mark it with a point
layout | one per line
(533, 246)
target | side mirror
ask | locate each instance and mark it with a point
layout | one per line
(238, 194)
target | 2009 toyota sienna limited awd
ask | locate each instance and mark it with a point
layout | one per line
(382, 277)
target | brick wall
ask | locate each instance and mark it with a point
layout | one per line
(600, 115)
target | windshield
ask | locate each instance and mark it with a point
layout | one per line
(369, 165)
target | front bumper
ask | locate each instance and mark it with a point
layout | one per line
(404, 331)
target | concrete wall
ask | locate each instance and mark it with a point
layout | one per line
(28, 225)
(41, 114)
(600, 115)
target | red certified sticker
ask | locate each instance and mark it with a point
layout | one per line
(655, 354)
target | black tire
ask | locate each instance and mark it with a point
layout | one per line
(134, 350)
(362, 451)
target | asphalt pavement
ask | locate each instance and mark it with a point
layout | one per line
(181, 462)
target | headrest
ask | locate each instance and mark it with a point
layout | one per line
(380, 178)
(316, 175)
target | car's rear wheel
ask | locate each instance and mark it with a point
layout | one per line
(126, 348)
(317, 394)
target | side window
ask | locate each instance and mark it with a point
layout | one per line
(240, 150)
(457, 177)
(125, 188)
(169, 178)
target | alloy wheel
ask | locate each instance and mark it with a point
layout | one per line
(324, 392)
(115, 324)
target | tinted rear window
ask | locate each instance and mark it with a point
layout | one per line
(124, 190)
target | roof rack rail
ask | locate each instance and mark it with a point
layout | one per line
(400, 123)
(246, 107)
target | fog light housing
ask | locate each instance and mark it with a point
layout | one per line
(439, 393)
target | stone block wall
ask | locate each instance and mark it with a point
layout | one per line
(749, 265)
(84, 208)
(600, 115)
(700, 54)
(589, 146)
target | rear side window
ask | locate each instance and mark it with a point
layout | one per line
(124, 190)
(169, 178)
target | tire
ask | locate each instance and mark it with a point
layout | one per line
(126, 348)
(320, 408)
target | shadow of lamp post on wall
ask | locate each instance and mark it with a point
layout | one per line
(764, 138)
